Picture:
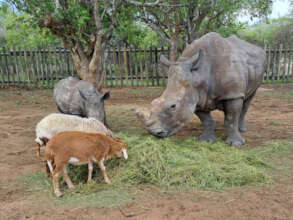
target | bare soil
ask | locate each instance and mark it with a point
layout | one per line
(270, 118)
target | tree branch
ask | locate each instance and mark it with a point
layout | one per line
(140, 4)
(215, 16)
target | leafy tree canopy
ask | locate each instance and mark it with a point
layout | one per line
(182, 21)
(18, 30)
(270, 32)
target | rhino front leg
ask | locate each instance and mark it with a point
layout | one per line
(208, 126)
(232, 111)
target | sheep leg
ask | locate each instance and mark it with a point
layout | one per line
(38, 149)
(103, 169)
(67, 178)
(56, 183)
(90, 174)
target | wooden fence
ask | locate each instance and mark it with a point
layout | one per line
(43, 67)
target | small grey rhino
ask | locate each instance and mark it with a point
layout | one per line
(78, 97)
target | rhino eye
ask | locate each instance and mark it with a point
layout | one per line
(173, 106)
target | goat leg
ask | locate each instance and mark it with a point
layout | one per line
(90, 172)
(103, 169)
(56, 183)
(67, 178)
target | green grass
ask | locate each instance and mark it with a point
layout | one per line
(170, 164)
(88, 194)
(190, 165)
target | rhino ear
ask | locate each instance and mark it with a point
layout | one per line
(194, 61)
(82, 94)
(106, 96)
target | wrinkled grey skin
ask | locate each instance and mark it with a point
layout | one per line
(212, 73)
(78, 97)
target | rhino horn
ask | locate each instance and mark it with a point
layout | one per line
(165, 61)
(142, 114)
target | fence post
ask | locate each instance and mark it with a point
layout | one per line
(151, 66)
(115, 67)
(2, 70)
(141, 67)
(269, 63)
(290, 67)
(136, 65)
(156, 66)
(146, 63)
(34, 66)
(25, 67)
(289, 62)
(284, 77)
(279, 60)
(119, 65)
(125, 65)
(129, 64)
(6, 65)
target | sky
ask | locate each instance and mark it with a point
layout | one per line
(279, 9)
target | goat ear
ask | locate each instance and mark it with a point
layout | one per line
(106, 96)
(82, 94)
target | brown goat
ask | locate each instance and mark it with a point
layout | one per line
(78, 148)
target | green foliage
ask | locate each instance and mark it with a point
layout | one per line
(136, 34)
(270, 32)
(19, 31)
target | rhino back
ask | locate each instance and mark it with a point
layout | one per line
(235, 68)
(67, 97)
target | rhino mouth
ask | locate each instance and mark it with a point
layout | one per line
(160, 133)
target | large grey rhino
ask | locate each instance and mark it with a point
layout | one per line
(78, 97)
(212, 73)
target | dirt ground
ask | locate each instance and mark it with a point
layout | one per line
(270, 118)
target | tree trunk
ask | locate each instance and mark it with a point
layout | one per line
(90, 68)
(174, 49)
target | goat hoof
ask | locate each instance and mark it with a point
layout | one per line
(71, 186)
(58, 194)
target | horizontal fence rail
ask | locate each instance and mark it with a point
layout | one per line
(43, 67)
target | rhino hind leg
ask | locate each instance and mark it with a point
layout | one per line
(242, 124)
(207, 121)
(233, 109)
